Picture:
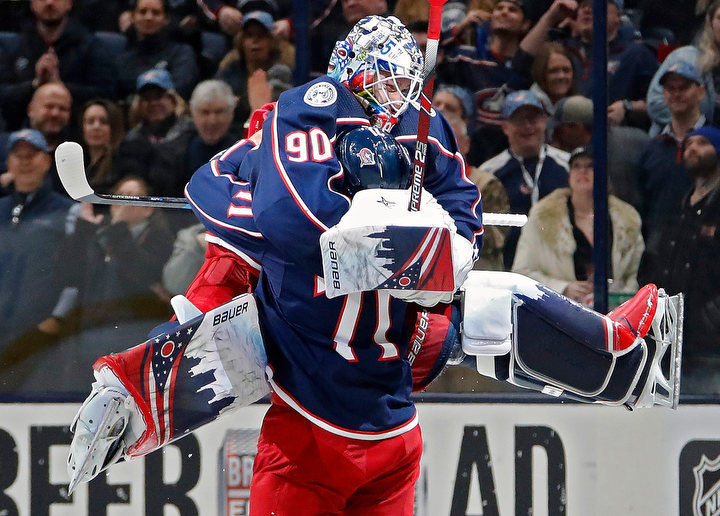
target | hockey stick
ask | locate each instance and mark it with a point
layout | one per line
(71, 169)
(433, 37)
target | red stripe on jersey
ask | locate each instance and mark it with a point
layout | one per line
(338, 430)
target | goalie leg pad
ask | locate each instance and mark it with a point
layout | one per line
(557, 346)
(187, 378)
(550, 356)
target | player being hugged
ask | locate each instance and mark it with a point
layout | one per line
(350, 310)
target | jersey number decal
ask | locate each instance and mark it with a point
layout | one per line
(347, 323)
(303, 146)
(240, 211)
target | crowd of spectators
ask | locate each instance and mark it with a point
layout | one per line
(152, 89)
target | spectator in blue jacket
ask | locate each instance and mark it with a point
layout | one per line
(150, 46)
(705, 55)
(54, 48)
(32, 229)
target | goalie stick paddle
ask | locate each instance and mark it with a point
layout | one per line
(431, 49)
(71, 169)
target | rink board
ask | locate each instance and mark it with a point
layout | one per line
(480, 459)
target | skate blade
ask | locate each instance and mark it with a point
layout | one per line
(93, 441)
(663, 386)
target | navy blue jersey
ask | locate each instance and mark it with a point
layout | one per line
(220, 196)
(339, 362)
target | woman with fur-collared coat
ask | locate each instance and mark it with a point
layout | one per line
(555, 246)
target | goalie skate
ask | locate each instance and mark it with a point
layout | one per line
(98, 428)
(664, 338)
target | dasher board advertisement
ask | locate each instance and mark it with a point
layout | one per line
(480, 459)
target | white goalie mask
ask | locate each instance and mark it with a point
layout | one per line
(380, 62)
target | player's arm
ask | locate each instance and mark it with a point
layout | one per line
(293, 173)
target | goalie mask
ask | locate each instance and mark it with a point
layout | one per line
(373, 159)
(381, 63)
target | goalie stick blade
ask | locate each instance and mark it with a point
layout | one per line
(71, 169)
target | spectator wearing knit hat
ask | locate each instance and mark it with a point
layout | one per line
(686, 260)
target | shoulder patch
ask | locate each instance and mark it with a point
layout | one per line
(320, 94)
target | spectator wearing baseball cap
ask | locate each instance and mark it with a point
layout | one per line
(571, 124)
(150, 45)
(703, 55)
(33, 227)
(258, 67)
(529, 169)
(160, 111)
(161, 120)
(683, 69)
(31, 144)
(570, 127)
(661, 177)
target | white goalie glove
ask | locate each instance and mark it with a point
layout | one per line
(379, 245)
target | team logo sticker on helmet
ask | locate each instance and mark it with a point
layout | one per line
(367, 158)
(320, 94)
